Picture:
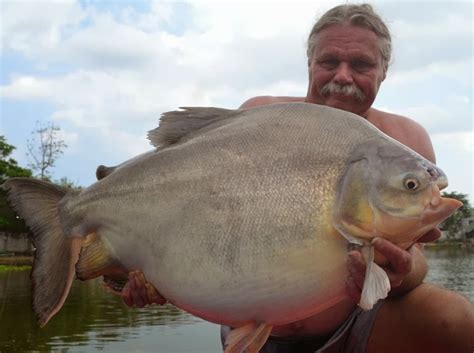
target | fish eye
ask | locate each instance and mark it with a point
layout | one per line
(411, 184)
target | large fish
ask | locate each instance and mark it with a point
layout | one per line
(241, 217)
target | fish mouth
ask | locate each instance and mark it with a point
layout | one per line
(439, 207)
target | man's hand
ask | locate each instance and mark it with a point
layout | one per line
(138, 292)
(432, 235)
(405, 268)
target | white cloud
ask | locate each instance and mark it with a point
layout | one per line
(449, 114)
(122, 67)
(26, 87)
(460, 141)
(71, 139)
(432, 117)
(455, 155)
(456, 70)
(120, 142)
(160, 13)
(34, 27)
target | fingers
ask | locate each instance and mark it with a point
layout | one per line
(353, 291)
(430, 236)
(396, 262)
(357, 268)
(126, 295)
(137, 288)
(355, 281)
(138, 292)
(153, 295)
(399, 260)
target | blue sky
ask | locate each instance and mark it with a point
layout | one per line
(105, 70)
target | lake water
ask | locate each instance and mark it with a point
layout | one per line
(92, 320)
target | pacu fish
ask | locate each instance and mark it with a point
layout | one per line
(240, 217)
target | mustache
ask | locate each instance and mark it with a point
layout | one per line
(347, 90)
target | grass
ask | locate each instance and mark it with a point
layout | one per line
(8, 268)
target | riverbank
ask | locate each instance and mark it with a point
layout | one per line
(450, 244)
(19, 260)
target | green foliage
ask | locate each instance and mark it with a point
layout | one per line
(453, 225)
(9, 268)
(9, 221)
(67, 183)
(8, 166)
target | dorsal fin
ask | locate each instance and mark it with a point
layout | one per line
(176, 124)
(102, 171)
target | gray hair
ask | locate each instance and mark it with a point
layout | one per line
(361, 15)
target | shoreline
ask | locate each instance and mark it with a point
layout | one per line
(16, 260)
(446, 244)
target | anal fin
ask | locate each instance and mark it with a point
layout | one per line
(249, 338)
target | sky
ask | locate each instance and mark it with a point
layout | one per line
(104, 71)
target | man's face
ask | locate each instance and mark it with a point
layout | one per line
(346, 69)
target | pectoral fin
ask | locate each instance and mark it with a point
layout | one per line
(96, 260)
(250, 337)
(376, 284)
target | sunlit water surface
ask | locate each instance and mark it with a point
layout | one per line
(93, 320)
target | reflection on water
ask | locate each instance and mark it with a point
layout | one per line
(452, 268)
(93, 320)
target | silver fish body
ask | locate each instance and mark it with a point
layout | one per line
(246, 216)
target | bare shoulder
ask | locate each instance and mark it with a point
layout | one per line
(404, 130)
(265, 100)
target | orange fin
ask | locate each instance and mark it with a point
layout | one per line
(97, 260)
(250, 337)
(260, 340)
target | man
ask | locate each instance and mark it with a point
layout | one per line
(349, 50)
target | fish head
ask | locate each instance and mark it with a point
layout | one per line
(392, 192)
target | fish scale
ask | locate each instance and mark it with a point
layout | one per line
(240, 217)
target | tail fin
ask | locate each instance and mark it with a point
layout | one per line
(37, 202)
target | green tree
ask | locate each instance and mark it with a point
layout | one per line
(68, 183)
(8, 166)
(453, 225)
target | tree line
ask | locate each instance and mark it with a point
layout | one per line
(44, 148)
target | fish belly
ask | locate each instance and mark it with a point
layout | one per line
(228, 281)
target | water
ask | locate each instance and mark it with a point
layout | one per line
(93, 320)
(452, 268)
